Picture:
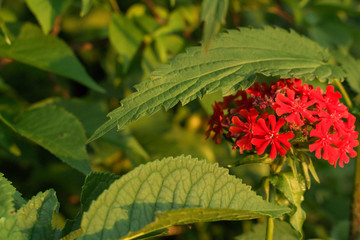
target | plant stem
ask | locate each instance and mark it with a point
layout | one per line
(115, 6)
(355, 223)
(270, 220)
(344, 93)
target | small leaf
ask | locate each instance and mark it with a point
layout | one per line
(282, 231)
(6, 197)
(85, 7)
(313, 171)
(45, 52)
(293, 188)
(231, 63)
(171, 192)
(56, 130)
(125, 37)
(213, 13)
(46, 11)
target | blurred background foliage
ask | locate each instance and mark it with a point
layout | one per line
(119, 43)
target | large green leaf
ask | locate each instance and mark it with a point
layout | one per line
(6, 197)
(282, 231)
(48, 53)
(32, 221)
(213, 13)
(46, 11)
(293, 188)
(351, 67)
(57, 131)
(126, 38)
(170, 192)
(231, 63)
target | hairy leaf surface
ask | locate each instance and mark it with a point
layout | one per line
(45, 52)
(56, 130)
(170, 192)
(231, 63)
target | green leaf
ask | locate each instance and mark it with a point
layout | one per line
(170, 192)
(6, 197)
(231, 63)
(213, 13)
(95, 184)
(125, 37)
(85, 7)
(57, 131)
(293, 188)
(46, 11)
(45, 52)
(34, 219)
(282, 231)
(351, 67)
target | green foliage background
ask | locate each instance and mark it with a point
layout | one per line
(70, 64)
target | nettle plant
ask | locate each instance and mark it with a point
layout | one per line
(270, 114)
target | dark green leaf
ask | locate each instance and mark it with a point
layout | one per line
(230, 64)
(45, 52)
(57, 131)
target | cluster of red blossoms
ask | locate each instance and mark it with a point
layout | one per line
(287, 113)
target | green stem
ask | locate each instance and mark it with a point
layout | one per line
(355, 223)
(270, 220)
(344, 93)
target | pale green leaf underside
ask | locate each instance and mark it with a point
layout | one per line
(6, 197)
(56, 130)
(47, 53)
(213, 13)
(169, 192)
(231, 62)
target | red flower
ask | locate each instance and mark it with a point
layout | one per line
(216, 123)
(265, 134)
(325, 142)
(346, 146)
(244, 142)
(296, 107)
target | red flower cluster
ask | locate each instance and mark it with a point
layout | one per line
(287, 112)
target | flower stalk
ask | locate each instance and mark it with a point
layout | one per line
(270, 220)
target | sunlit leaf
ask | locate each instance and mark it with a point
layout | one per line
(169, 192)
(6, 197)
(351, 67)
(45, 52)
(57, 131)
(231, 63)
